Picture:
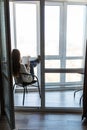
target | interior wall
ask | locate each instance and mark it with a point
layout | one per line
(1, 85)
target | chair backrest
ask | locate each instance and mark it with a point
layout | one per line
(18, 79)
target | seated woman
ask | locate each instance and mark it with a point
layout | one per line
(18, 67)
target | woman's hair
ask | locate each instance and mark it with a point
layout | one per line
(16, 62)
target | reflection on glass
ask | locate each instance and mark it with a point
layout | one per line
(52, 19)
(75, 30)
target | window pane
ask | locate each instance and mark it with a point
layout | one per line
(26, 28)
(75, 30)
(73, 63)
(52, 77)
(52, 19)
(52, 64)
(73, 77)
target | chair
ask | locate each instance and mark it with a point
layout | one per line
(19, 82)
(81, 95)
(80, 89)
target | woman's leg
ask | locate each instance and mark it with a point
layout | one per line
(33, 64)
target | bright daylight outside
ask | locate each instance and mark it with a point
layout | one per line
(64, 43)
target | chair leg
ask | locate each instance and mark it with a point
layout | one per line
(39, 89)
(76, 92)
(80, 100)
(24, 95)
(26, 89)
(13, 87)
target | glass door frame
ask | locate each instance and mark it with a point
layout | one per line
(68, 70)
(6, 70)
(62, 44)
(43, 70)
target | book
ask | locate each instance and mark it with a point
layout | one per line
(25, 59)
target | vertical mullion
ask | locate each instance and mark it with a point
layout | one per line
(42, 4)
(14, 24)
(38, 27)
(85, 33)
(63, 41)
(38, 34)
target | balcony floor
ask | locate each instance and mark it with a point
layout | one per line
(52, 99)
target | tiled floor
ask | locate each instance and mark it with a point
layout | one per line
(52, 99)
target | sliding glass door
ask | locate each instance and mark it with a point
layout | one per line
(26, 37)
(56, 31)
(64, 48)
